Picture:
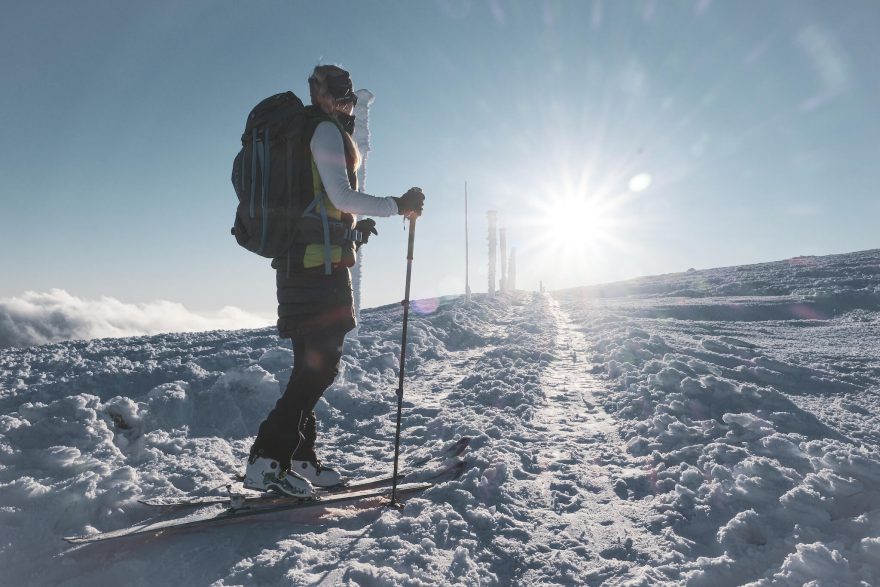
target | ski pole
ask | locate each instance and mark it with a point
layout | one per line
(405, 303)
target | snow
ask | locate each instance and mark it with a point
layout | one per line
(714, 427)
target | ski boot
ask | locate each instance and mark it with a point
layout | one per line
(304, 461)
(265, 474)
(315, 473)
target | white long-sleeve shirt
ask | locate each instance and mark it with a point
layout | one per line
(329, 154)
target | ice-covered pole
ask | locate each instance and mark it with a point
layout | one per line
(493, 248)
(511, 279)
(362, 138)
(503, 235)
(362, 132)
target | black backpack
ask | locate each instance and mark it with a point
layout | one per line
(272, 176)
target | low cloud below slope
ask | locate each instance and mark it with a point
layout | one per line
(39, 318)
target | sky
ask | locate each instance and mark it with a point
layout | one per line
(615, 139)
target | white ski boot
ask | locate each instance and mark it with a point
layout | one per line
(264, 474)
(315, 473)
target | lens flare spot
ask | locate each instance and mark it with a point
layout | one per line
(640, 182)
(804, 312)
(426, 306)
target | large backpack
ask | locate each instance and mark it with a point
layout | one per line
(272, 176)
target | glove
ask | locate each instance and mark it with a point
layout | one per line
(367, 226)
(411, 203)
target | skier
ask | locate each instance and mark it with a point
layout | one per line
(315, 305)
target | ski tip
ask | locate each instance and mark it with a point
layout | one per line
(85, 539)
(159, 501)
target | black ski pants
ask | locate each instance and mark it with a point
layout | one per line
(290, 428)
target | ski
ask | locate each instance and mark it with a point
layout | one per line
(218, 514)
(415, 471)
(256, 496)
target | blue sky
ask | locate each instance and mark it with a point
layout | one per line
(756, 122)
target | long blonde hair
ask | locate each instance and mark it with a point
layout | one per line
(321, 97)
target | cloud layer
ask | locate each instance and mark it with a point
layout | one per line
(40, 318)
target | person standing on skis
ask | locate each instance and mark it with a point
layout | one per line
(315, 303)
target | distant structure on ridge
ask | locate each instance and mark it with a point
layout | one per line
(511, 278)
(503, 284)
(493, 246)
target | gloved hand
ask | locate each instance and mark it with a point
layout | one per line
(411, 203)
(367, 226)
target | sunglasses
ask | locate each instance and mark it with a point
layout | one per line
(349, 96)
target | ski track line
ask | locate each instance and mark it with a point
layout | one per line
(585, 455)
(559, 465)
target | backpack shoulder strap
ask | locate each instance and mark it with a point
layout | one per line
(314, 117)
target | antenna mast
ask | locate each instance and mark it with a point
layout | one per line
(467, 267)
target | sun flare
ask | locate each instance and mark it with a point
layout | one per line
(575, 228)
(575, 223)
(581, 211)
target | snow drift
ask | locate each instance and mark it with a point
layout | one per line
(711, 427)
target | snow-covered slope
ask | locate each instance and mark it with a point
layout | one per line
(712, 427)
(750, 395)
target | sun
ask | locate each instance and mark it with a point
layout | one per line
(575, 227)
(579, 217)
(576, 223)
